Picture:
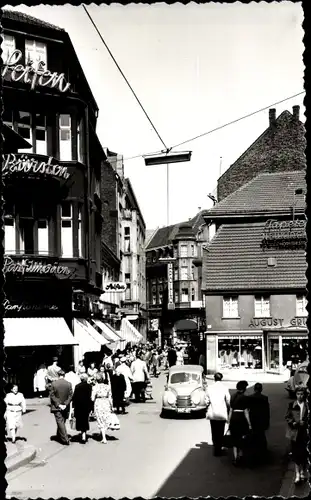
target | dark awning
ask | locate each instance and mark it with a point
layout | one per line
(185, 325)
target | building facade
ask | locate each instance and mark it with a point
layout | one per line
(52, 212)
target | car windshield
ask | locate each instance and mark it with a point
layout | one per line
(184, 377)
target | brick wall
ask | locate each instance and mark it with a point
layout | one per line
(280, 148)
(109, 207)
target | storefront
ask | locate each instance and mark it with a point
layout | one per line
(284, 347)
(240, 350)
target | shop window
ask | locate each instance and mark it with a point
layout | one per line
(24, 128)
(80, 233)
(36, 54)
(8, 46)
(43, 237)
(65, 141)
(184, 273)
(262, 306)
(66, 230)
(184, 295)
(183, 251)
(301, 305)
(41, 134)
(243, 352)
(273, 353)
(230, 307)
(192, 294)
(9, 235)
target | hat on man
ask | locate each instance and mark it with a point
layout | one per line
(123, 359)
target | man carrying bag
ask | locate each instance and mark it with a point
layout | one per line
(218, 401)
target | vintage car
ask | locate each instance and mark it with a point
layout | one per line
(184, 391)
(300, 378)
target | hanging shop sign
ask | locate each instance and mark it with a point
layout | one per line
(288, 234)
(170, 273)
(29, 266)
(259, 322)
(24, 306)
(26, 164)
(113, 286)
(13, 71)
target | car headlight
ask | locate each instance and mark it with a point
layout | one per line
(171, 398)
(196, 397)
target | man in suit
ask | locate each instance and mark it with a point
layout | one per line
(259, 414)
(61, 395)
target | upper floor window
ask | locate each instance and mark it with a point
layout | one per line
(9, 234)
(160, 295)
(8, 46)
(175, 274)
(176, 296)
(66, 229)
(301, 305)
(262, 306)
(185, 295)
(80, 142)
(65, 142)
(127, 277)
(24, 128)
(7, 117)
(230, 307)
(183, 251)
(127, 239)
(184, 273)
(192, 251)
(36, 54)
(80, 233)
(192, 294)
(154, 296)
(40, 134)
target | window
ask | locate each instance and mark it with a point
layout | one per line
(154, 296)
(7, 117)
(301, 305)
(160, 296)
(26, 228)
(24, 128)
(184, 295)
(184, 273)
(230, 307)
(262, 306)
(176, 296)
(43, 237)
(80, 234)
(183, 251)
(80, 142)
(192, 294)
(127, 278)
(192, 251)
(41, 134)
(8, 46)
(36, 54)
(9, 234)
(66, 230)
(176, 274)
(65, 149)
(192, 273)
(127, 239)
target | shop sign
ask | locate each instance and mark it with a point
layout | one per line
(170, 273)
(29, 266)
(299, 321)
(154, 324)
(24, 306)
(29, 165)
(259, 322)
(288, 234)
(16, 72)
(238, 336)
(114, 287)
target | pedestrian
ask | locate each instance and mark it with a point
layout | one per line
(126, 372)
(239, 422)
(15, 407)
(39, 381)
(297, 421)
(81, 368)
(202, 361)
(218, 401)
(101, 396)
(140, 377)
(61, 395)
(118, 388)
(72, 377)
(172, 357)
(179, 357)
(155, 364)
(259, 415)
(164, 359)
(52, 372)
(82, 406)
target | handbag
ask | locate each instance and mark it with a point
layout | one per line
(114, 423)
(72, 423)
(227, 440)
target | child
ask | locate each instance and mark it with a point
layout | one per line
(148, 390)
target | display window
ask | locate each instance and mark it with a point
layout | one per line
(286, 351)
(240, 352)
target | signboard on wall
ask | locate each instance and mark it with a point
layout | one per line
(113, 286)
(30, 266)
(32, 165)
(288, 234)
(170, 288)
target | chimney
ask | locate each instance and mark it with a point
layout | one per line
(296, 110)
(272, 117)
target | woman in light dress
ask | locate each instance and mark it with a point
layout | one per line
(102, 398)
(15, 407)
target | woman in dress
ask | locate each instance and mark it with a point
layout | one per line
(101, 395)
(15, 407)
(82, 405)
(297, 421)
(239, 421)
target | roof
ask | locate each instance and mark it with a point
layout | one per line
(265, 193)
(234, 260)
(14, 15)
(185, 368)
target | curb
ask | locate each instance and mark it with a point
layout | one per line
(20, 458)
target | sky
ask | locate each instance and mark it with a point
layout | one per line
(194, 68)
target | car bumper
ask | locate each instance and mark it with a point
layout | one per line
(185, 410)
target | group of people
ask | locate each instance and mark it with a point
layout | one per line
(248, 419)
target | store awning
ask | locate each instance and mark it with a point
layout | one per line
(37, 332)
(129, 332)
(89, 340)
(107, 331)
(185, 325)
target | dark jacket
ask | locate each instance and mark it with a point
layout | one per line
(81, 400)
(118, 386)
(259, 411)
(61, 393)
(172, 357)
(292, 418)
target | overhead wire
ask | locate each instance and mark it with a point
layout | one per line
(126, 80)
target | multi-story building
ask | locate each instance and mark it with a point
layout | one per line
(174, 274)
(52, 216)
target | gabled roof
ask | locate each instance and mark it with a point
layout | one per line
(14, 15)
(235, 261)
(266, 193)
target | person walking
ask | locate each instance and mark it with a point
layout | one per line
(118, 388)
(15, 407)
(82, 406)
(218, 401)
(52, 372)
(101, 396)
(155, 363)
(239, 422)
(172, 357)
(140, 377)
(259, 415)
(61, 395)
(297, 421)
(39, 381)
(125, 370)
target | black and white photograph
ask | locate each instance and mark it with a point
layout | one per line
(154, 234)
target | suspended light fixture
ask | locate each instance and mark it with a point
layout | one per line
(167, 157)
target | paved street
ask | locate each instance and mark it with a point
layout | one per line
(149, 456)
